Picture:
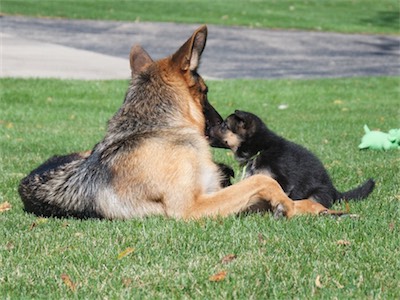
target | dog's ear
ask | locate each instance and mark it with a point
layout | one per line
(246, 122)
(139, 59)
(241, 119)
(189, 54)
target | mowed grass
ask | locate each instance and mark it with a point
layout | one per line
(306, 257)
(366, 16)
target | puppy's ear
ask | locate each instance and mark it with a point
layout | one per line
(189, 54)
(246, 121)
(242, 119)
(242, 114)
(139, 59)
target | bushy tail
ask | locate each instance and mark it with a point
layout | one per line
(46, 190)
(360, 192)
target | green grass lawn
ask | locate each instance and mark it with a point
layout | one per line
(367, 16)
(307, 257)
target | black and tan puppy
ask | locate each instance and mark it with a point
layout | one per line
(300, 173)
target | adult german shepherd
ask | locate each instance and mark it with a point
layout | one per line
(155, 157)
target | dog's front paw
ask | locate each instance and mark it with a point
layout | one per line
(279, 211)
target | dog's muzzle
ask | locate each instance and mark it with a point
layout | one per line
(213, 124)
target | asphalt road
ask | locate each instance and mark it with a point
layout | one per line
(231, 52)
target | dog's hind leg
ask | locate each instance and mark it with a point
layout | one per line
(240, 196)
(248, 192)
(308, 206)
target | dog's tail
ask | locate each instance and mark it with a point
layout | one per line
(47, 191)
(360, 192)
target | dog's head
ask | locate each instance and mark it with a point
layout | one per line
(236, 129)
(178, 81)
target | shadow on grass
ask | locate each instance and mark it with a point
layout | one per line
(386, 19)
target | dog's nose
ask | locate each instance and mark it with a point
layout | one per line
(214, 137)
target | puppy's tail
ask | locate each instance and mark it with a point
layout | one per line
(360, 192)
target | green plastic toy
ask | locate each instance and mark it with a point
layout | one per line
(394, 136)
(378, 140)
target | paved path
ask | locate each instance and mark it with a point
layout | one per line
(81, 49)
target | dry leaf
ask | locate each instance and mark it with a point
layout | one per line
(360, 281)
(41, 220)
(228, 258)
(339, 286)
(38, 221)
(347, 205)
(338, 102)
(10, 246)
(126, 252)
(63, 249)
(5, 206)
(33, 225)
(126, 281)
(391, 226)
(68, 282)
(343, 243)
(261, 239)
(218, 277)
(318, 283)
(65, 224)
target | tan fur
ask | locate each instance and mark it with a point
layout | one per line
(85, 154)
(231, 139)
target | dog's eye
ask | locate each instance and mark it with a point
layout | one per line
(203, 89)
